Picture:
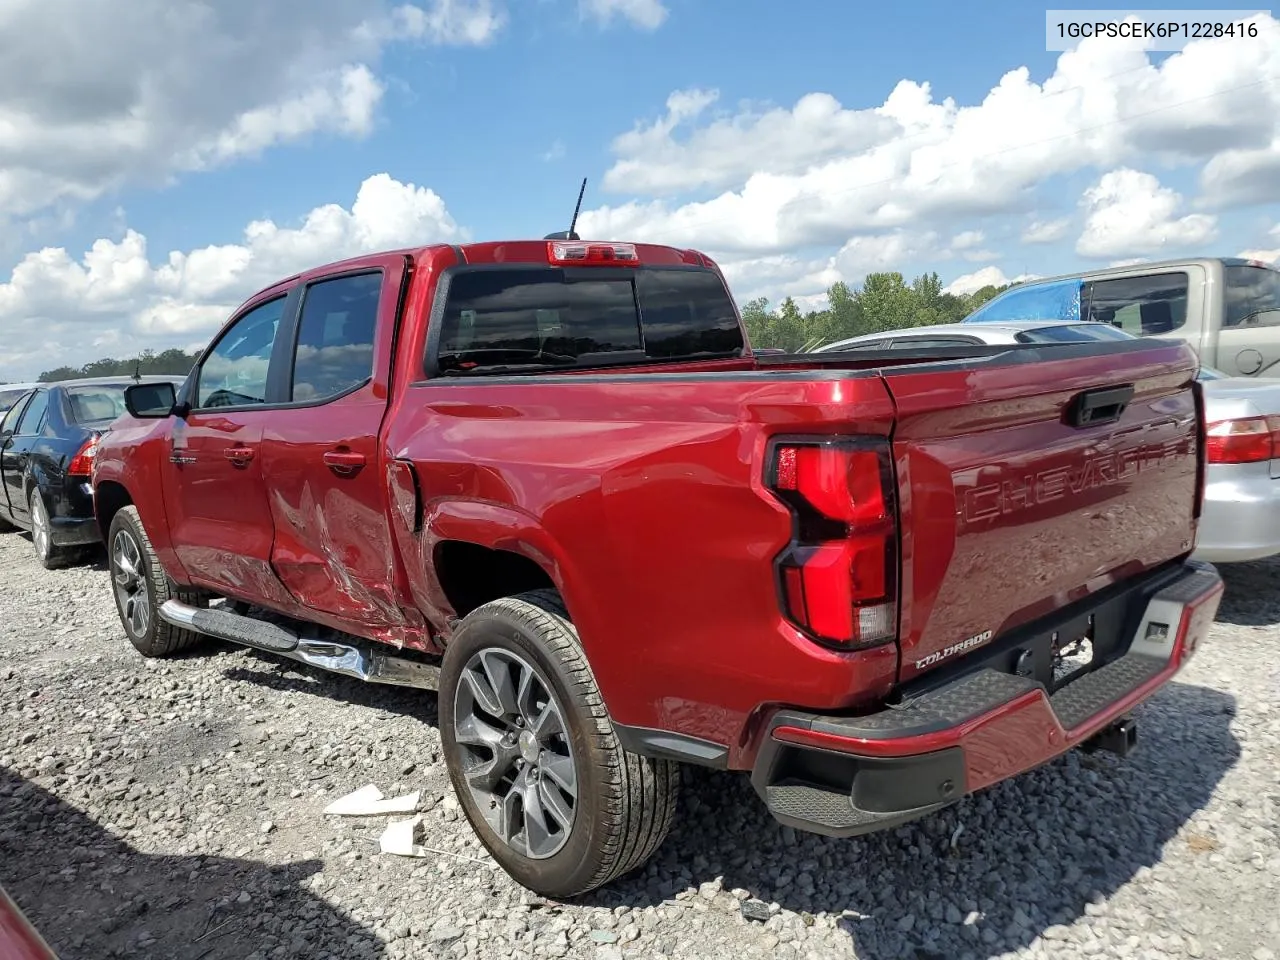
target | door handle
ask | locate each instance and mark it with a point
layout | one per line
(239, 456)
(343, 462)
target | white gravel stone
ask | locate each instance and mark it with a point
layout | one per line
(173, 809)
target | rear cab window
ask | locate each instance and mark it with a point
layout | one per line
(531, 318)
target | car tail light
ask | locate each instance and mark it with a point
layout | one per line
(1247, 440)
(838, 576)
(82, 463)
(579, 252)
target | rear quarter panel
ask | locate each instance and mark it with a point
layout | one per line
(642, 497)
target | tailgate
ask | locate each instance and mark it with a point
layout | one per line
(1014, 503)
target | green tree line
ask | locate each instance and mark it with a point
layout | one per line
(172, 362)
(885, 301)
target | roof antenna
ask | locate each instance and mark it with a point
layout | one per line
(569, 234)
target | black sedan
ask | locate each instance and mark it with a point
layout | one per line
(47, 442)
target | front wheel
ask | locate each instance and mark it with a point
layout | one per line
(140, 586)
(533, 757)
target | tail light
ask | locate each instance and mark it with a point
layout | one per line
(838, 576)
(1248, 440)
(580, 252)
(82, 463)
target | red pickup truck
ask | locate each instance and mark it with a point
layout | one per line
(551, 480)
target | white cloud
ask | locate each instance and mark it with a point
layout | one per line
(969, 282)
(445, 22)
(645, 14)
(1266, 256)
(768, 180)
(556, 152)
(1046, 231)
(58, 309)
(94, 96)
(1129, 213)
(987, 276)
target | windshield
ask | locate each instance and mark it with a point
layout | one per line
(1058, 299)
(1072, 333)
(530, 318)
(1251, 293)
(96, 403)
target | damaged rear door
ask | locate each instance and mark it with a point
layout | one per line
(333, 546)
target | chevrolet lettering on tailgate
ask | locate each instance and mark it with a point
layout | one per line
(1045, 486)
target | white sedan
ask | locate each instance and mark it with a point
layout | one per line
(1241, 517)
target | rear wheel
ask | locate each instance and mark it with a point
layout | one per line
(50, 555)
(140, 586)
(533, 757)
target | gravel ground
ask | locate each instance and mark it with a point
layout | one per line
(174, 810)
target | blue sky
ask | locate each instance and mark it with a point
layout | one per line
(796, 143)
(475, 124)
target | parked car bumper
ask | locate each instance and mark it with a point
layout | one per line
(71, 516)
(1241, 516)
(844, 776)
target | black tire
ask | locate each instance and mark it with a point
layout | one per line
(50, 555)
(625, 802)
(156, 638)
(6, 526)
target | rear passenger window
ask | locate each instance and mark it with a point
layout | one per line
(335, 336)
(33, 419)
(1143, 306)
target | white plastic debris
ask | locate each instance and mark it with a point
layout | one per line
(368, 801)
(399, 838)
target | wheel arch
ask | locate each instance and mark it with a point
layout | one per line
(505, 549)
(109, 498)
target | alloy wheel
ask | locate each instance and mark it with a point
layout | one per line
(516, 755)
(40, 534)
(130, 583)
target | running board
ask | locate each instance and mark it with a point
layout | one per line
(373, 666)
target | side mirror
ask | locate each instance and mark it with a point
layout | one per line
(150, 401)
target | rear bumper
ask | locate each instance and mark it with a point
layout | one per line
(843, 776)
(1241, 516)
(71, 515)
